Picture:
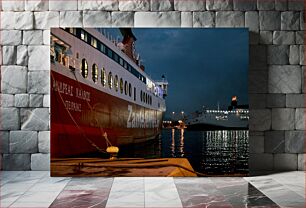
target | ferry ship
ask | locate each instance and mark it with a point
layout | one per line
(235, 117)
(100, 93)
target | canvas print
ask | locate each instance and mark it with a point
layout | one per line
(149, 102)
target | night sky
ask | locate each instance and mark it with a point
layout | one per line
(203, 66)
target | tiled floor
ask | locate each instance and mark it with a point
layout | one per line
(38, 189)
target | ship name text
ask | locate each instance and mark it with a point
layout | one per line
(72, 106)
(141, 120)
(67, 89)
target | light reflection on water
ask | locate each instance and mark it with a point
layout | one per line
(210, 152)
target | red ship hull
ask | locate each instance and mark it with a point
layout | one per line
(82, 117)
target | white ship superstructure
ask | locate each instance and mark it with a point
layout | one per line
(234, 119)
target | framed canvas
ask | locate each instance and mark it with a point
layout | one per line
(149, 102)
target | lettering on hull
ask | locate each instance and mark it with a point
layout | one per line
(67, 89)
(142, 119)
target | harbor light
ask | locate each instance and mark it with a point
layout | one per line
(173, 115)
(182, 114)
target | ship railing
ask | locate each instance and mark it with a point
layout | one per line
(73, 63)
(65, 60)
(227, 112)
(59, 58)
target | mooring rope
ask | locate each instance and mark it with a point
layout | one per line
(103, 133)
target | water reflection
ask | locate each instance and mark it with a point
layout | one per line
(181, 147)
(177, 142)
(224, 152)
(210, 152)
(173, 143)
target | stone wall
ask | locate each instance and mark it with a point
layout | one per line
(276, 72)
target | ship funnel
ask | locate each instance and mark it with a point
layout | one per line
(234, 101)
(128, 43)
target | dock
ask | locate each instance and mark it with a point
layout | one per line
(134, 167)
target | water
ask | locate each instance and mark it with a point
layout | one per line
(209, 152)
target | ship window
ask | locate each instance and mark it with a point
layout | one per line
(102, 48)
(94, 73)
(72, 31)
(121, 85)
(141, 95)
(83, 35)
(116, 83)
(94, 42)
(126, 88)
(109, 53)
(130, 90)
(77, 55)
(110, 80)
(84, 68)
(121, 61)
(125, 65)
(134, 93)
(103, 77)
(116, 57)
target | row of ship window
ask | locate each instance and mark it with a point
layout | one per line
(113, 82)
(89, 39)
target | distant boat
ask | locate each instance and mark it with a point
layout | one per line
(235, 117)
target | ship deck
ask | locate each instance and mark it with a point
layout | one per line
(137, 167)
